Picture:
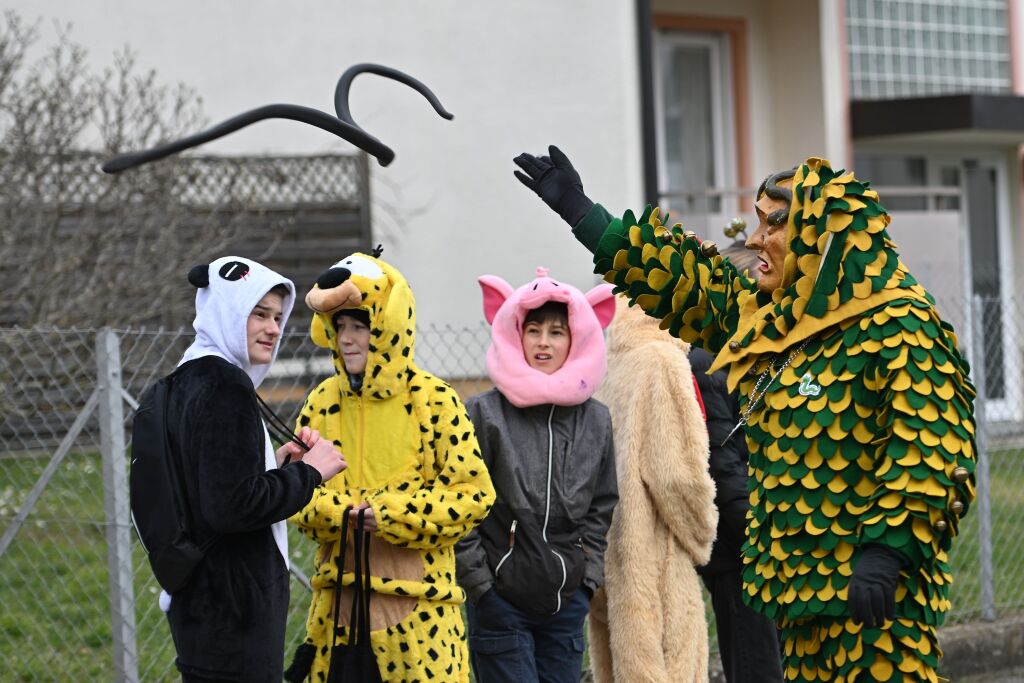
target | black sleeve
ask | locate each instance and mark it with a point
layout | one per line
(599, 516)
(471, 568)
(728, 462)
(226, 448)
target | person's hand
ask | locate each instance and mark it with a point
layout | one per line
(325, 459)
(292, 451)
(369, 521)
(308, 436)
(556, 182)
(871, 595)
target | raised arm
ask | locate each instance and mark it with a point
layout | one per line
(673, 276)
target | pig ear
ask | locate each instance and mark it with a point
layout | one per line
(496, 291)
(602, 301)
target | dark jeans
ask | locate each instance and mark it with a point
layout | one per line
(508, 646)
(747, 640)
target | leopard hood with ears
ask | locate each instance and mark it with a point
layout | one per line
(363, 282)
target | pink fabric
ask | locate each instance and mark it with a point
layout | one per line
(586, 363)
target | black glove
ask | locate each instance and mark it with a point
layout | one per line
(556, 182)
(871, 596)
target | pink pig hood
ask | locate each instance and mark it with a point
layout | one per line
(584, 368)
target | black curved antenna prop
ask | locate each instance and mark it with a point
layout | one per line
(345, 83)
(342, 126)
(294, 112)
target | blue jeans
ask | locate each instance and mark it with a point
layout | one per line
(509, 646)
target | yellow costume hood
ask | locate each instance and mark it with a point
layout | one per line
(378, 288)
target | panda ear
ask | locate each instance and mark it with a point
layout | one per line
(199, 276)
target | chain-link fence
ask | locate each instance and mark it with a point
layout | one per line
(77, 599)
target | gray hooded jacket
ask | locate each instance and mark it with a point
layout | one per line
(553, 469)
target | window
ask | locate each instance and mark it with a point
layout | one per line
(912, 48)
(693, 80)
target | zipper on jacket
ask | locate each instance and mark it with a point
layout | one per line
(547, 513)
(511, 546)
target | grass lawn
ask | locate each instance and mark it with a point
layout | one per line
(1006, 477)
(55, 622)
(55, 611)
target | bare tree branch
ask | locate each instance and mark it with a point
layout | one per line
(78, 247)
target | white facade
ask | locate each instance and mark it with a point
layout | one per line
(517, 76)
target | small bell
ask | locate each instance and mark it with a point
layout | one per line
(689, 235)
(940, 526)
(708, 248)
(957, 507)
(960, 475)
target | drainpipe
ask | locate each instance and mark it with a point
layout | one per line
(644, 27)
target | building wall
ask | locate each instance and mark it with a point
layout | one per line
(517, 76)
(786, 98)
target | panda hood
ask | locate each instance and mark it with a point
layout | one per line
(228, 289)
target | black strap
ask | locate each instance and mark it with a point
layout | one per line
(355, 619)
(341, 569)
(367, 592)
(277, 427)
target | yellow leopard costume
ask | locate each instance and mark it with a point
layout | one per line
(413, 456)
(864, 435)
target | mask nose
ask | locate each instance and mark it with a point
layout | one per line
(333, 277)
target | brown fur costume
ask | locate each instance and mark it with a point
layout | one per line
(648, 623)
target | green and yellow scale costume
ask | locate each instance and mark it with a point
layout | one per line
(413, 456)
(867, 436)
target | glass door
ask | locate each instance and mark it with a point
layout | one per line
(986, 217)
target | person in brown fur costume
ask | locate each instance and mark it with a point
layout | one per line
(648, 623)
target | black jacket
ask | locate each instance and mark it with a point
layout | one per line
(228, 622)
(553, 469)
(728, 464)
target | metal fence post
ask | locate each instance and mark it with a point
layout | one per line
(981, 476)
(115, 506)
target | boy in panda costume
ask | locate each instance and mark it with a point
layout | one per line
(228, 622)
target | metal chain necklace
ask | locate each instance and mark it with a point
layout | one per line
(755, 398)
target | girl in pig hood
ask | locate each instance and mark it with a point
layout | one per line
(531, 568)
